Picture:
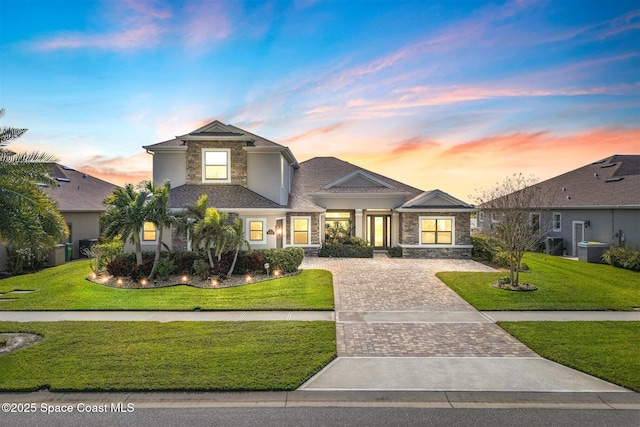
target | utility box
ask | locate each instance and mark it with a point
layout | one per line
(554, 246)
(591, 251)
(56, 256)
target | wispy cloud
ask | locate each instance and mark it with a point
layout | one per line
(138, 24)
(416, 143)
(206, 21)
(314, 132)
(119, 170)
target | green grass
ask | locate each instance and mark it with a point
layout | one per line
(65, 288)
(141, 356)
(608, 350)
(563, 284)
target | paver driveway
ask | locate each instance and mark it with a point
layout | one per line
(398, 327)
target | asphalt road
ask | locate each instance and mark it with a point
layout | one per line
(303, 417)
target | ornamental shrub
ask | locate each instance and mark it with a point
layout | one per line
(141, 271)
(622, 258)
(166, 267)
(201, 269)
(395, 252)
(121, 266)
(286, 260)
(329, 250)
(484, 247)
(184, 261)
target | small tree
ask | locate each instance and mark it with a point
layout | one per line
(518, 209)
(125, 215)
(158, 214)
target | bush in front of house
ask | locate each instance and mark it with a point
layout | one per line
(622, 258)
(484, 247)
(184, 260)
(339, 250)
(395, 252)
(121, 266)
(286, 260)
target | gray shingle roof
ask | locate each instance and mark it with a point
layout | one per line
(316, 173)
(77, 191)
(221, 196)
(610, 182)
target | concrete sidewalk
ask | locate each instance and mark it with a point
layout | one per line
(341, 316)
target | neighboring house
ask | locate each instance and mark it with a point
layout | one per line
(79, 198)
(599, 202)
(285, 203)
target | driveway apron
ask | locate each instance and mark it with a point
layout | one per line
(399, 327)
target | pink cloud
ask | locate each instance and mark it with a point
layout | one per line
(119, 170)
(314, 132)
(207, 21)
(413, 144)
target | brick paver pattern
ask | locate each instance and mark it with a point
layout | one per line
(391, 285)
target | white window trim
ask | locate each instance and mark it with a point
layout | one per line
(437, 245)
(481, 216)
(248, 222)
(142, 240)
(293, 218)
(209, 181)
(494, 218)
(559, 228)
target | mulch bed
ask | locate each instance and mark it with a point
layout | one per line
(196, 282)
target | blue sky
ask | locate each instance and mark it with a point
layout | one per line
(439, 94)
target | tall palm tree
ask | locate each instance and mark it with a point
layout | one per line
(28, 217)
(236, 242)
(125, 215)
(158, 214)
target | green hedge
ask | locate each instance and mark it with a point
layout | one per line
(622, 258)
(286, 260)
(329, 250)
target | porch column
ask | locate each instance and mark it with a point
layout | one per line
(395, 229)
(359, 224)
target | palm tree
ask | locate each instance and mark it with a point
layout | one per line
(28, 217)
(125, 215)
(236, 242)
(158, 214)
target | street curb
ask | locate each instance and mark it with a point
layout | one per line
(295, 399)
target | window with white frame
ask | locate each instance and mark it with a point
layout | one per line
(215, 165)
(256, 230)
(149, 232)
(301, 230)
(436, 230)
(494, 217)
(557, 221)
(481, 216)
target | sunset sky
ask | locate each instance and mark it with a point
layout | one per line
(453, 94)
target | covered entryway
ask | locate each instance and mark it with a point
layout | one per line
(379, 230)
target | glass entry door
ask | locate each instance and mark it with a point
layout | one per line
(379, 231)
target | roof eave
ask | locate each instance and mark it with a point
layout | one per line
(444, 209)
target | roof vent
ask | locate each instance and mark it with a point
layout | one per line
(608, 166)
(62, 179)
(41, 184)
(568, 197)
(595, 174)
(564, 188)
(84, 175)
(67, 168)
(598, 162)
(615, 179)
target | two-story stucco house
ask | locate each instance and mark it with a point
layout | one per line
(285, 203)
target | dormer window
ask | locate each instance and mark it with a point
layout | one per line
(215, 165)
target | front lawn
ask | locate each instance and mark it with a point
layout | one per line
(563, 284)
(608, 350)
(144, 356)
(65, 288)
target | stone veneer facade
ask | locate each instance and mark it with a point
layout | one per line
(238, 160)
(410, 230)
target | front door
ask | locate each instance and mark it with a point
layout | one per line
(379, 230)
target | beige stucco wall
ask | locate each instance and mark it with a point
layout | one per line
(265, 176)
(82, 225)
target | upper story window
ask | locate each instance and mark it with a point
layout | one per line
(215, 165)
(149, 232)
(436, 231)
